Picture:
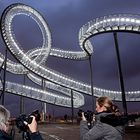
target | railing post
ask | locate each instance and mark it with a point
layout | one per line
(120, 73)
(91, 82)
(72, 107)
(4, 78)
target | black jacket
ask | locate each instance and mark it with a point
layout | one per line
(4, 136)
(36, 136)
(33, 136)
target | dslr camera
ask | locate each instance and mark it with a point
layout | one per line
(20, 120)
(88, 115)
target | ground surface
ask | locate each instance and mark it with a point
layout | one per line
(71, 132)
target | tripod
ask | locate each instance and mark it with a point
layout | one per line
(25, 135)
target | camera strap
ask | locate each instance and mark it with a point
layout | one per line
(12, 133)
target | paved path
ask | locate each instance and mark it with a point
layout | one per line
(71, 132)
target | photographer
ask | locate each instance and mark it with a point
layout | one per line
(101, 130)
(4, 126)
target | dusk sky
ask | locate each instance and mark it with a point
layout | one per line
(65, 18)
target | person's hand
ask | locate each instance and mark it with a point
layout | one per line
(33, 125)
(7, 127)
(83, 117)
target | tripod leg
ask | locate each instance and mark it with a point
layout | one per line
(26, 136)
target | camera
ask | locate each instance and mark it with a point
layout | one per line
(20, 120)
(88, 115)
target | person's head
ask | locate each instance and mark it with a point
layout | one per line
(104, 104)
(4, 117)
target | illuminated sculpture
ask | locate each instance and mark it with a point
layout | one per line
(33, 60)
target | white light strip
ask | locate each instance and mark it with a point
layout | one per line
(40, 54)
